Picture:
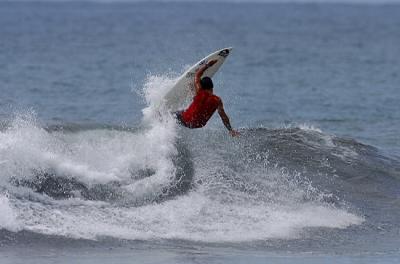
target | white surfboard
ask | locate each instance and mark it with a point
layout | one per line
(184, 90)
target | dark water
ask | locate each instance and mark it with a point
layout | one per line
(85, 175)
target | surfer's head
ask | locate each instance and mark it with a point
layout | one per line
(206, 83)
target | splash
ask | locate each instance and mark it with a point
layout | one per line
(140, 164)
(8, 217)
(95, 183)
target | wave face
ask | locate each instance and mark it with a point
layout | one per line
(119, 183)
(161, 181)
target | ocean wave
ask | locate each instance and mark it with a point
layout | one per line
(102, 182)
(161, 181)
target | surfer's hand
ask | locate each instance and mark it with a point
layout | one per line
(211, 63)
(234, 133)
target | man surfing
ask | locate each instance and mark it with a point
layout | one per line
(204, 104)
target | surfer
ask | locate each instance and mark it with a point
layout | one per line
(204, 104)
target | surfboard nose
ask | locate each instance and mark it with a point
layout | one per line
(225, 52)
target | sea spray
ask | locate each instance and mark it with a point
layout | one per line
(159, 137)
(8, 216)
(98, 182)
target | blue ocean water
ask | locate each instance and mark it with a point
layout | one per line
(335, 66)
(313, 88)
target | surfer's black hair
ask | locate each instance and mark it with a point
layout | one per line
(206, 83)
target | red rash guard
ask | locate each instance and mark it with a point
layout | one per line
(200, 111)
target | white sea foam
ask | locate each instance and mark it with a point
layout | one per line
(309, 127)
(96, 156)
(8, 217)
(190, 217)
(255, 202)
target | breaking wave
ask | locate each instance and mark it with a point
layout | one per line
(161, 181)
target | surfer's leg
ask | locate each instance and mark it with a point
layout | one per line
(178, 116)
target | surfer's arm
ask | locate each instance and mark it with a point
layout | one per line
(225, 120)
(200, 72)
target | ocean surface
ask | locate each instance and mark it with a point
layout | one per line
(91, 173)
